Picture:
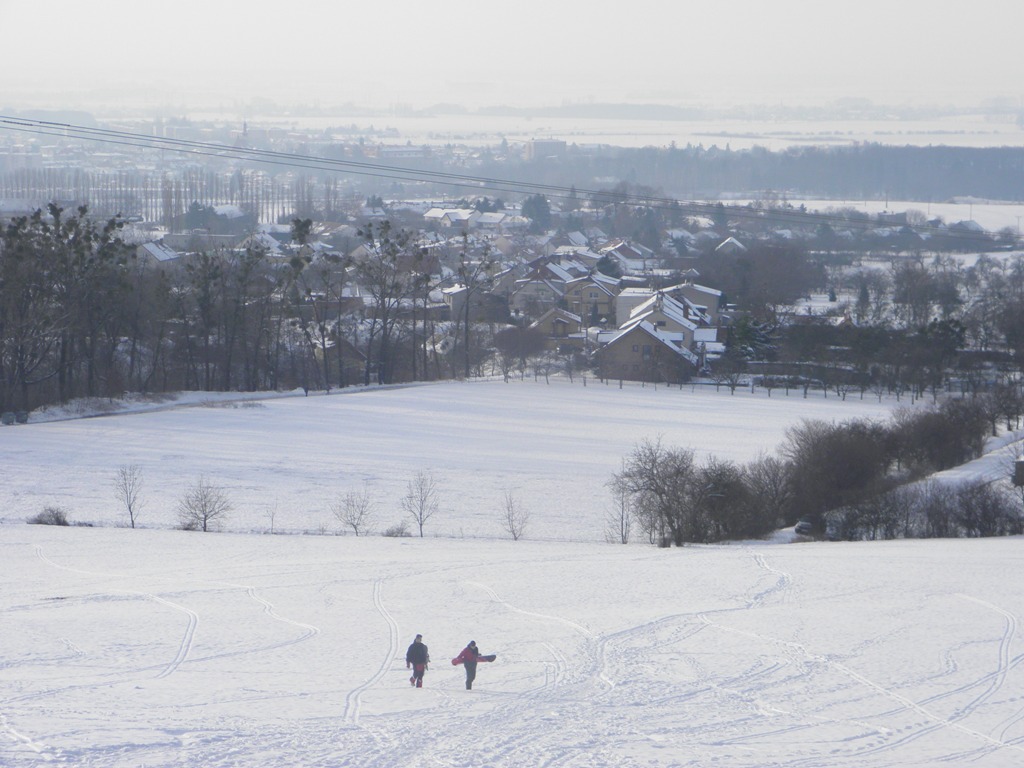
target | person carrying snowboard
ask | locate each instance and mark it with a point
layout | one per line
(469, 657)
(418, 658)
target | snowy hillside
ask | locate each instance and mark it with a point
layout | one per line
(162, 648)
(157, 647)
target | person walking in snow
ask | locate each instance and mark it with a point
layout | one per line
(469, 657)
(417, 657)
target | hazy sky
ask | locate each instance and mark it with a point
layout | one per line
(531, 52)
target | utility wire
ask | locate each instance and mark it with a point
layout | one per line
(399, 173)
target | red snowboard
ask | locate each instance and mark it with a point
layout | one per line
(488, 657)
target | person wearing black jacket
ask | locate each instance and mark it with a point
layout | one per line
(418, 658)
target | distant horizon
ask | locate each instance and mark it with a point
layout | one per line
(840, 108)
(108, 54)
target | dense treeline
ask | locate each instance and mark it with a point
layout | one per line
(850, 480)
(81, 316)
(867, 171)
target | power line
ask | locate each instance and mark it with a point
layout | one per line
(399, 173)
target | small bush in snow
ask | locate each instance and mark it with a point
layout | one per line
(51, 516)
(397, 531)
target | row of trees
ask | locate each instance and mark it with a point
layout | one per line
(205, 506)
(170, 197)
(80, 316)
(848, 479)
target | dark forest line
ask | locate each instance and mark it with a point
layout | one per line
(868, 171)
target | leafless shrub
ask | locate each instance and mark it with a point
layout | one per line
(50, 516)
(420, 502)
(203, 506)
(355, 510)
(397, 531)
(619, 519)
(514, 516)
(127, 485)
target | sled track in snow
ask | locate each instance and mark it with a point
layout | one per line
(308, 630)
(186, 641)
(48, 561)
(494, 596)
(38, 751)
(593, 640)
(184, 647)
(937, 721)
(995, 682)
(780, 587)
(353, 701)
(268, 608)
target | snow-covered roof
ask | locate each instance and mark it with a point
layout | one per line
(668, 340)
(159, 251)
(229, 211)
(664, 305)
(696, 287)
(969, 226)
(491, 218)
(731, 244)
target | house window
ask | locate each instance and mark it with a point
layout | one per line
(647, 351)
(636, 347)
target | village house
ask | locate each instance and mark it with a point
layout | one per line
(702, 300)
(535, 295)
(156, 254)
(484, 306)
(592, 297)
(544, 285)
(632, 258)
(671, 318)
(563, 330)
(643, 353)
(456, 218)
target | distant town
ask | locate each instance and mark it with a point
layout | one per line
(259, 257)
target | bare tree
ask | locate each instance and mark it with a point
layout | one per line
(659, 482)
(475, 277)
(127, 485)
(387, 274)
(619, 519)
(514, 516)
(271, 513)
(768, 480)
(355, 510)
(203, 506)
(516, 346)
(420, 501)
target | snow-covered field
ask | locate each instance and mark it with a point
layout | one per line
(290, 458)
(158, 647)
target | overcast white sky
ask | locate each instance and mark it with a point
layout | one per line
(532, 52)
